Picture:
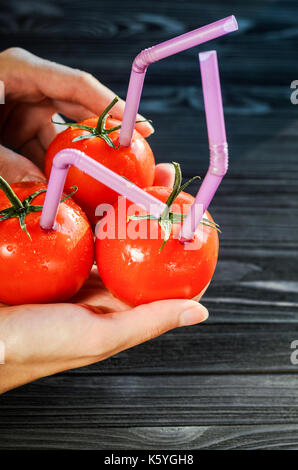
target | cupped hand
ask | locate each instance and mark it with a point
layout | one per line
(36, 89)
(41, 340)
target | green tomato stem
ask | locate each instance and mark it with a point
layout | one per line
(168, 218)
(100, 128)
(175, 190)
(20, 210)
(11, 195)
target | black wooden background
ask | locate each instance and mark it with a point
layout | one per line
(228, 383)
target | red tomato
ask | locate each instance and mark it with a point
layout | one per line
(136, 272)
(54, 264)
(135, 163)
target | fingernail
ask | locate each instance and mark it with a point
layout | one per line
(194, 315)
(151, 128)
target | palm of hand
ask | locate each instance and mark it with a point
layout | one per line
(92, 326)
(41, 340)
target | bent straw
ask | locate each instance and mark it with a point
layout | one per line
(80, 160)
(217, 143)
(158, 52)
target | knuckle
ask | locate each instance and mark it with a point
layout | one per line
(154, 331)
(15, 52)
(85, 78)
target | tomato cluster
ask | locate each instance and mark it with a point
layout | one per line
(38, 266)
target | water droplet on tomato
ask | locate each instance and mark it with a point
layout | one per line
(8, 250)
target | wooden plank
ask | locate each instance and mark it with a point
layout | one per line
(168, 400)
(210, 348)
(123, 33)
(273, 437)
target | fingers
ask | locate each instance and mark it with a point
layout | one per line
(52, 338)
(18, 70)
(15, 167)
(49, 130)
(164, 175)
(29, 78)
(6, 109)
(34, 151)
(25, 121)
(79, 112)
(124, 330)
(29, 128)
(75, 112)
(83, 89)
(63, 83)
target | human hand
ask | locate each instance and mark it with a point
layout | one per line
(35, 90)
(41, 340)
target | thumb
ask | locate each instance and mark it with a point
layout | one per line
(14, 167)
(147, 321)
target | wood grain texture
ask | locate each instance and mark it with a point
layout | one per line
(273, 437)
(100, 401)
(227, 384)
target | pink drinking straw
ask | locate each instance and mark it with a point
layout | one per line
(217, 143)
(158, 52)
(217, 168)
(80, 160)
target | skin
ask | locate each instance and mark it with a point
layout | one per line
(41, 340)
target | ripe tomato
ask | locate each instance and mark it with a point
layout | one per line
(53, 265)
(136, 271)
(135, 163)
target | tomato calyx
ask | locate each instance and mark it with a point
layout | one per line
(168, 218)
(20, 209)
(100, 130)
